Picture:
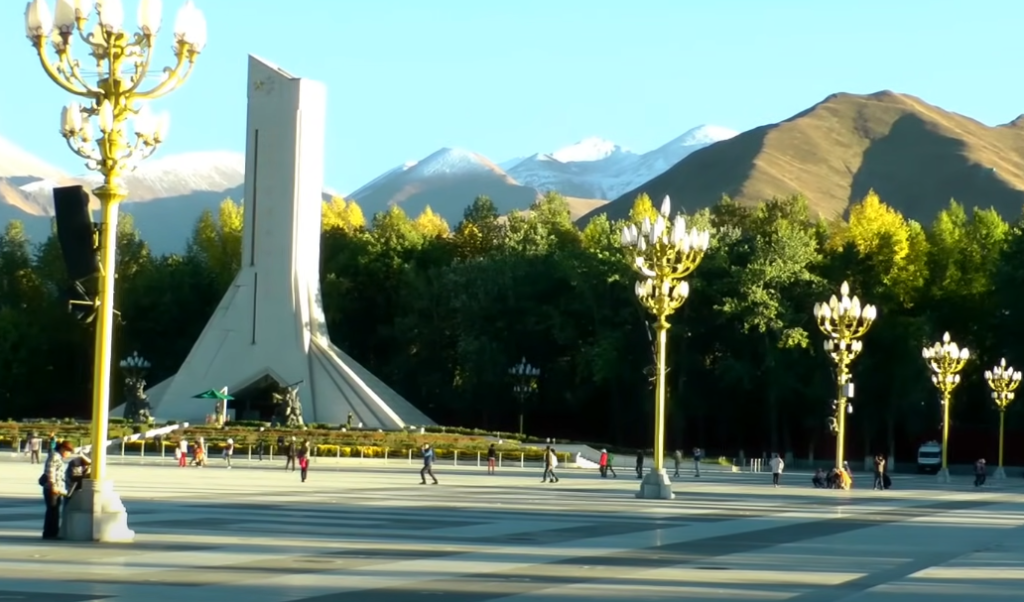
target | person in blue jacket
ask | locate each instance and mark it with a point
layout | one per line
(428, 465)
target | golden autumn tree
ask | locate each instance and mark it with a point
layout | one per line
(340, 214)
(430, 224)
(643, 208)
(895, 248)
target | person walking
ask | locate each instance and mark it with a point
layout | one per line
(290, 454)
(602, 464)
(980, 472)
(492, 459)
(229, 451)
(777, 465)
(35, 445)
(428, 464)
(54, 488)
(51, 445)
(303, 465)
(698, 455)
(259, 446)
(678, 458)
(550, 463)
(182, 452)
(639, 463)
(879, 483)
(611, 466)
(547, 465)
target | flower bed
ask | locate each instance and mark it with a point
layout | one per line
(328, 442)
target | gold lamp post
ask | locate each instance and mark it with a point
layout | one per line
(945, 359)
(844, 321)
(663, 252)
(1003, 380)
(115, 94)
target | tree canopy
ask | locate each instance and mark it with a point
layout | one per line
(441, 313)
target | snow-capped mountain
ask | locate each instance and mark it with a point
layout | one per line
(598, 169)
(159, 178)
(447, 180)
(587, 173)
(589, 149)
(167, 194)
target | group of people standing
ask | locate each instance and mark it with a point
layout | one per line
(63, 475)
(842, 478)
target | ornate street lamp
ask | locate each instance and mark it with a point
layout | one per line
(945, 359)
(116, 97)
(134, 366)
(1003, 380)
(844, 321)
(525, 377)
(663, 252)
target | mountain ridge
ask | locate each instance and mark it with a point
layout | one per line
(916, 156)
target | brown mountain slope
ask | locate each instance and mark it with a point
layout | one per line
(916, 156)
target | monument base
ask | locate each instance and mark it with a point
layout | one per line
(656, 486)
(1000, 474)
(95, 513)
(943, 475)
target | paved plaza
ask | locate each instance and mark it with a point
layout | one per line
(365, 533)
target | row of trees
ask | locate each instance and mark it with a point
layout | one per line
(442, 314)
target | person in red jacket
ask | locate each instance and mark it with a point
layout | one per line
(603, 464)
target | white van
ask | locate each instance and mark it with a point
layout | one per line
(929, 457)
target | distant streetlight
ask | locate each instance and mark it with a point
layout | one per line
(844, 321)
(134, 366)
(663, 253)
(1003, 380)
(525, 377)
(945, 359)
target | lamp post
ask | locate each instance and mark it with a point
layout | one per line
(1003, 380)
(525, 377)
(945, 359)
(844, 321)
(663, 253)
(134, 366)
(117, 96)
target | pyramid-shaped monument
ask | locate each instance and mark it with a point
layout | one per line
(269, 330)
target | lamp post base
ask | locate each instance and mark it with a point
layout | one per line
(95, 513)
(1000, 474)
(943, 476)
(656, 486)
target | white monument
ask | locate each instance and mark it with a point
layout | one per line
(269, 328)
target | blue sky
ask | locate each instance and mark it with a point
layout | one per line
(511, 77)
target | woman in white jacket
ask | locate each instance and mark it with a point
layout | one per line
(777, 465)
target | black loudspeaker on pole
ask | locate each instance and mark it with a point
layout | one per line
(77, 237)
(76, 233)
